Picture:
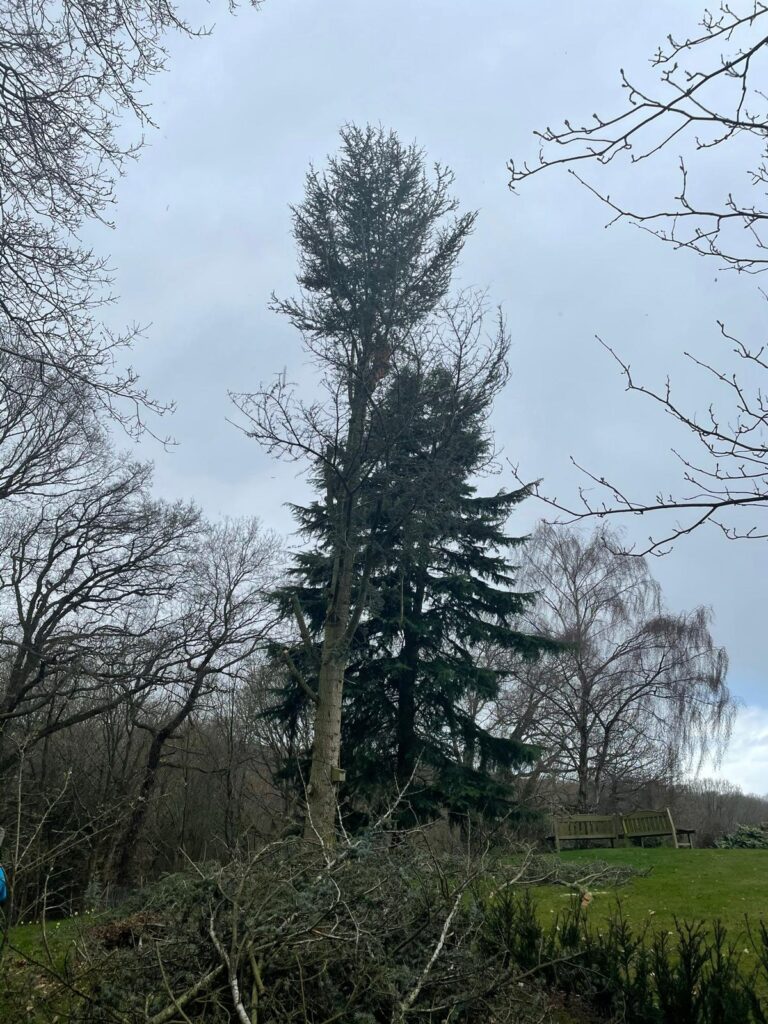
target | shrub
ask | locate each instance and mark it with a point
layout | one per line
(746, 837)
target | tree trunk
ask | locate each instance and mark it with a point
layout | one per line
(406, 695)
(126, 856)
(582, 800)
(320, 824)
(342, 504)
(129, 839)
(406, 716)
(583, 729)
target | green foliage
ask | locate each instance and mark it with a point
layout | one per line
(439, 632)
(351, 941)
(378, 240)
(746, 837)
(686, 976)
(377, 244)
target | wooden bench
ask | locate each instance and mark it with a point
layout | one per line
(650, 824)
(574, 827)
(637, 825)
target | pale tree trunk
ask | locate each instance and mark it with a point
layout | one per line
(582, 804)
(320, 823)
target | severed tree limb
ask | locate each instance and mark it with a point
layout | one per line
(257, 988)
(177, 1006)
(234, 984)
(167, 1014)
(413, 995)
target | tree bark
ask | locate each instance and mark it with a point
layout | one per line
(320, 823)
(406, 696)
(406, 715)
(126, 856)
(342, 502)
(322, 802)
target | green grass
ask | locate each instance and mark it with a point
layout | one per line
(690, 885)
(26, 960)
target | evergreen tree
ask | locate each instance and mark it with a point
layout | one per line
(378, 239)
(442, 590)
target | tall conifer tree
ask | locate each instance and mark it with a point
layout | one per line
(378, 239)
(442, 591)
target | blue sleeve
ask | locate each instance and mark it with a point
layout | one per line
(3, 887)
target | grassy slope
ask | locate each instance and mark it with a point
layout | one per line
(685, 884)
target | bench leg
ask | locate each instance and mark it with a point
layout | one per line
(672, 828)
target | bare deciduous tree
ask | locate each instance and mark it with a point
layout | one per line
(637, 693)
(82, 582)
(70, 75)
(708, 96)
(223, 617)
(48, 434)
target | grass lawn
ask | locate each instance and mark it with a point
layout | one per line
(690, 885)
(23, 983)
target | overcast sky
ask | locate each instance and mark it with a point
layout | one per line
(203, 237)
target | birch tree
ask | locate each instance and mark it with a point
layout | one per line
(637, 693)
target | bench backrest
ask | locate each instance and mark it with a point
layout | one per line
(586, 826)
(648, 823)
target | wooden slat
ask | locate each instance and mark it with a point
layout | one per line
(646, 824)
(586, 826)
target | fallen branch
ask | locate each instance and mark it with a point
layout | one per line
(179, 1002)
